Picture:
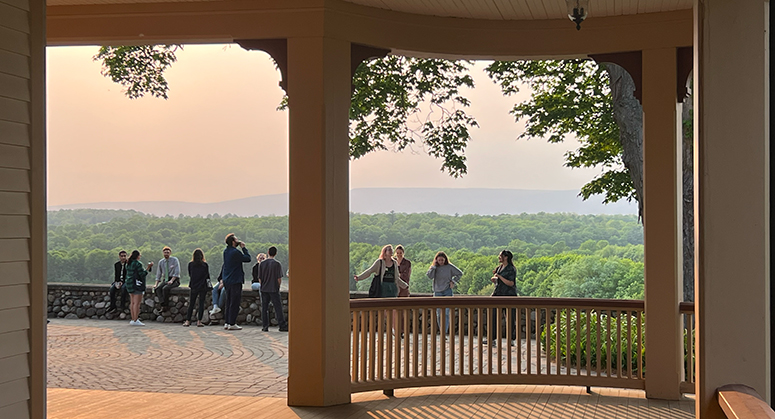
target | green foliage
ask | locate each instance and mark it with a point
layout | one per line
(570, 97)
(139, 69)
(599, 354)
(555, 254)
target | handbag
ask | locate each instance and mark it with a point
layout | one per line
(375, 289)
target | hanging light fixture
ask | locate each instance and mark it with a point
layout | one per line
(577, 11)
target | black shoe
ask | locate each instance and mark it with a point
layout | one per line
(283, 329)
(266, 329)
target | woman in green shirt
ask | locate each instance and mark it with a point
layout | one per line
(135, 285)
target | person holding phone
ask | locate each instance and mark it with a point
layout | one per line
(233, 278)
(135, 285)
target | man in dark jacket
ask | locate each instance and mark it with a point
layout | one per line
(118, 283)
(270, 274)
(233, 278)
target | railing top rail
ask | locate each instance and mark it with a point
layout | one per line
(742, 402)
(485, 301)
(686, 306)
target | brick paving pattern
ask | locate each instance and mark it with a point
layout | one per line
(167, 358)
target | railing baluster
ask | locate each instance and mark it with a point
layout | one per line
(415, 342)
(479, 334)
(414, 326)
(509, 336)
(599, 344)
(529, 343)
(538, 338)
(364, 347)
(451, 341)
(461, 351)
(355, 350)
(589, 342)
(389, 345)
(470, 312)
(434, 325)
(499, 334)
(567, 341)
(608, 344)
(443, 341)
(372, 343)
(690, 347)
(619, 344)
(519, 340)
(380, 343)
(398, 342)
(490, 331)
(629, 344)
(425, 332)
(557, 340)
(640, 344)
(578, 341)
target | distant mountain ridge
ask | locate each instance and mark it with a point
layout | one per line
(382, 200)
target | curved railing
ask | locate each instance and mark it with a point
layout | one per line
(402, 342)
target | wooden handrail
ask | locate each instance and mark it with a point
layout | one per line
(484, 301)
(742, 402)
(686, 306)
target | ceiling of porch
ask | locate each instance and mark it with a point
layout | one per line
(523, 9)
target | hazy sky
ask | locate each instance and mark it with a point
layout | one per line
(103, 146)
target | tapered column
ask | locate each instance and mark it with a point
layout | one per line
(731, 119)
(662, 231)
(319, 102)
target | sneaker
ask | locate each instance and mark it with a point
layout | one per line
(266, 329)
(226, 326)
(131, 322)
(283, 329)
(234, 327)
(139, 323)
(215, 310)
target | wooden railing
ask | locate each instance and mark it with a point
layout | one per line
(687, 311)
(402, 342)
(742, 402)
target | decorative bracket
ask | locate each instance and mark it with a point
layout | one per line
(278, 50)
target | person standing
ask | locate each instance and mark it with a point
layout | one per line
(256, 284)
(405, 267)
(445, 276)
(389, 273)
(119, 281)
(167, 276)
(135, 285)
(199, 272)
(270, 276)
(233, 278)
(505, 279)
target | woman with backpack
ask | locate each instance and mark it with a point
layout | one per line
(385, 270)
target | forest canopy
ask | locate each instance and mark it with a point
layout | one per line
(556, 255)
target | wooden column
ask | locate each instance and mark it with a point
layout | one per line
(732, 202)
(662, 224)
(319, 103)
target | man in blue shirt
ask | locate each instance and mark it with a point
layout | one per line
(233, 278)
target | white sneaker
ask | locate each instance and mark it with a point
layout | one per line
(215, 310)
(139, 323)
(235, 327)
(226, 326)
(131, 322)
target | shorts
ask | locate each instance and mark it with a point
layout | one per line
(137, 292)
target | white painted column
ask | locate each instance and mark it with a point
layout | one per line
(319, 102)
(732, 171)
(662, 232)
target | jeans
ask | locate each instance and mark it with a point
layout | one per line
(163, 291)
(219, 296)
(112, 293)
(446, 293)
(195, 294)
(233, 299)
(278, 310)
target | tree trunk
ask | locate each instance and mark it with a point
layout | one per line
(628, 114)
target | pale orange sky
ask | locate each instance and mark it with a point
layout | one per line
(103, 146)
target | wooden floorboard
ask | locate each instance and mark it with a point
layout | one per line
(511, 401)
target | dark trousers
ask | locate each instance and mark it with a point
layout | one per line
(233, 299)
(510, 328)
(124, 296)
(163, 291)
(200, 294)
(274, 298)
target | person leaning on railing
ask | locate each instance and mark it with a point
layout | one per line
(445, 276)
(505, 279)
(386, 268)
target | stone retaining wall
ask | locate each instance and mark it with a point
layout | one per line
(79, 301)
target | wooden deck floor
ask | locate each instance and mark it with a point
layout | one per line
(518, 401)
